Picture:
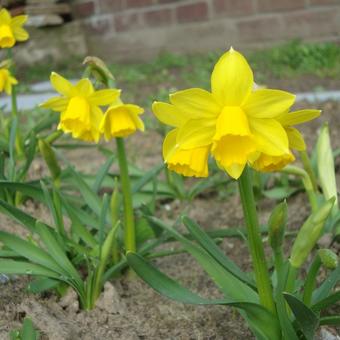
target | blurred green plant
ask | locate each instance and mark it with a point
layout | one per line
(26, 332)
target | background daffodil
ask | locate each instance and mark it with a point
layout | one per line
(6, 81)
(236, 122)
(121, 120)
(79, 106)
(11, 29)
(193, 162)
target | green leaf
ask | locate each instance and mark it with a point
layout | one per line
(326, 302)
(28, 332)
(305, 317)
(230, 285)
(264, 324)
(279, 193)
(148, 177)
(102, 173)
(12, 140)
(333, 320)
(25, 268)
(25, 188)
(58, 253)
(326, 287)
(31, 150)
(210, 246)
(41, 285)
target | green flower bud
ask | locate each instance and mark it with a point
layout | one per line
(328, 258)
(309, 234)
(50, 159)
(277, 225)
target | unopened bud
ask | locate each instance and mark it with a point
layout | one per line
(277, 225)
(328, 258)
(309, 234)
(99, 70)
(50, 159)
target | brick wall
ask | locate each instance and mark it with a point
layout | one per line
(140, 29)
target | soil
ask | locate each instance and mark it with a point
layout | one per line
(129, 309)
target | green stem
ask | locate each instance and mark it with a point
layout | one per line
(129, 222)
(307, 165)
(311, 280)
(278, 262)
(307, 183)
(255, 242)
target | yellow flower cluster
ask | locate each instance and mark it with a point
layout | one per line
(81, 115)
(11, 29)
(235, 123)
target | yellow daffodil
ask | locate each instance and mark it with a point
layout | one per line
(236, 122)
(268, 163)
(121, 120)
(193, 162)
(11, 29)
(6, 81)
(79, 107)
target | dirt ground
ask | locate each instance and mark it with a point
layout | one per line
(129, 309)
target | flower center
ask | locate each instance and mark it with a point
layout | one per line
(233, 140)
(6, 36)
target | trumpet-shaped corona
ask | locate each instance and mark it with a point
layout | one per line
(6, 81)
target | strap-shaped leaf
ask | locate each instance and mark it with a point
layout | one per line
(326, 287)
(30, 251)
(210, 246)
(305, 317)
(102, 173)
(326, 302)
(25, 268)
(264, 324)
(230, 285)
(330, 320)
(148, 177)
(41, 285)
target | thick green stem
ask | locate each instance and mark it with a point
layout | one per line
(307, 165)
(129, 222)
(291, 278)
(255, 242)
(311, 280)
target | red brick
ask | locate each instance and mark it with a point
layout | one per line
(260, 29)
(83, 9)
(324, 2)
(126, 22)
(192, 12)
(158, 17)
(232, 7)
(167, 1)
(111, 5)
(279, 5)
(312, 24)
(138, 3)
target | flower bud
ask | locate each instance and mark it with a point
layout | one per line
(99, 70)
(309, 234)
(50, 159)
(277, 225)
(328, 258)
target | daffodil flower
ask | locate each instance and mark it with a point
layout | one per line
(267, 163)
(6, 81)
(234, 121)
(193, 162)
(121, 120)
(11, 29)
(78, 105)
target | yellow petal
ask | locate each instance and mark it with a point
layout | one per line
(168, 114)
(267, 163)
(5, 17)
(61, 85)
(268, 103)
(58, 104)
(298, 117)
(195, 103)
(19, 20)
(270, 136)
(232, 79)
(20, 34)
(104, 97)
(192, 163)
(84, 88)
(196, 133)
(295, 139)
(7, 38)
